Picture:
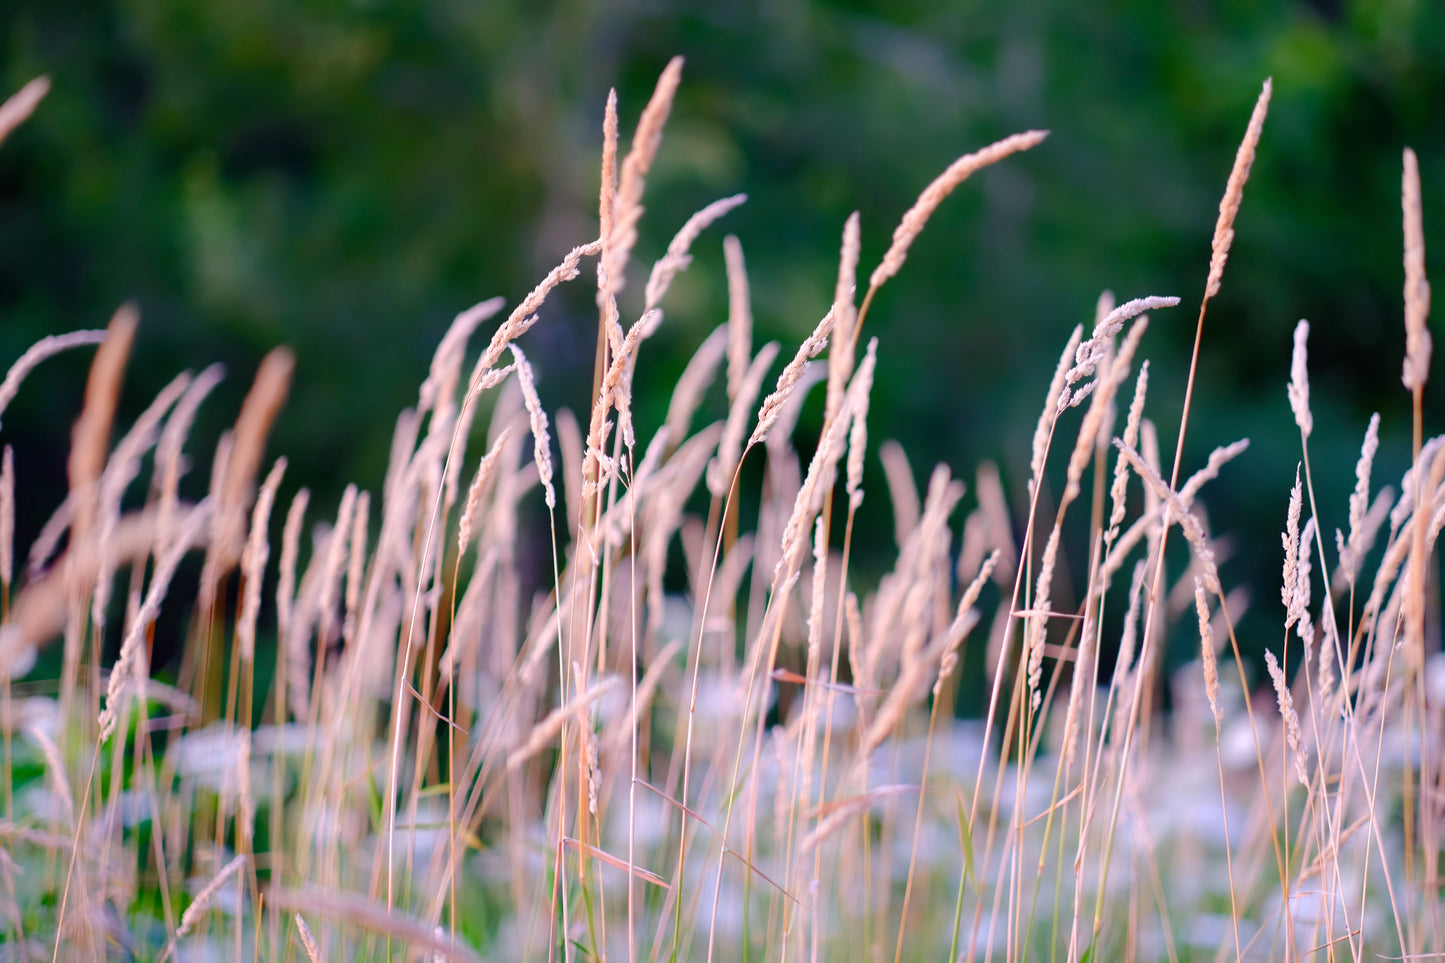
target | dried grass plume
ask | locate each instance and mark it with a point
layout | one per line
(959, 171)
(1417, 288)
(1234, 192)
(21, 105)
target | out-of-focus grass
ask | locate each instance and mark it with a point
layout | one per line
(698, 735)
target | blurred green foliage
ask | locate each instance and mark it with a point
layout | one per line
(346, 176)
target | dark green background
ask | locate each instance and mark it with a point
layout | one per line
(344, 177)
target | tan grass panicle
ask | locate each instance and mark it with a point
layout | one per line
(965, 604)
(356, 565)
(697, 375)
(1189, 523)
(1039, 620)
(21, 104)
(858, 433)
(1218, 458)
(1054, 402)
(55, 768)
(740, 315)
(308, 942)
(1362, 535)
(258, 412)
(626, 209)
(486, 470)
(90, 438)
(607, 193)
(1234, 192)
(202, 902)
(789, 379)
(1299, 380)
(1301, 605)
(902, 489)
(192, 534)
(677, 258)
(438, 391)
(120, 470)
(730, 448)
(1288, 716)
(168, 449)
(1289, 588)
(1089, 355)
(1101, 407)
(1119, 489)
(917, 216)
(1207, 656)
(1417, 288)
(845, 315)
(524, 315)
(294, 656)
(38, 352)
(541, 436)
(253, 560)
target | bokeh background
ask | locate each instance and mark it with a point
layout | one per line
(344, 177)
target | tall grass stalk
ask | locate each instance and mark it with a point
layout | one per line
(710, 732)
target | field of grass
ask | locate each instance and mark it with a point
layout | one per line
(699, 737)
